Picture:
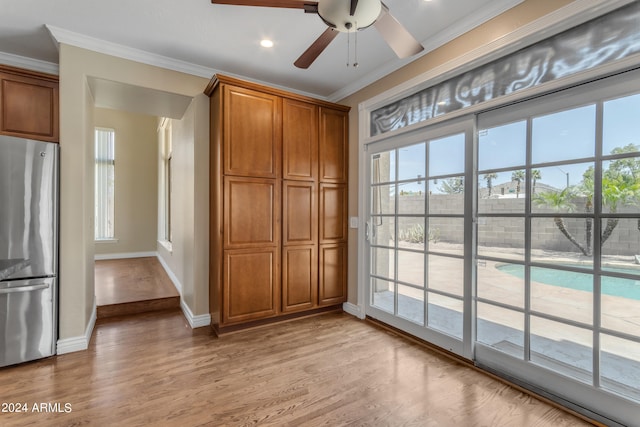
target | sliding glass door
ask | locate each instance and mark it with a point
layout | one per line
(419, 280)
(558, 281)
(512, 238)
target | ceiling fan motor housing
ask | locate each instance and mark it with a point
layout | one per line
(336, 14)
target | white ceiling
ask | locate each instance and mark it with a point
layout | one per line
(202, 38)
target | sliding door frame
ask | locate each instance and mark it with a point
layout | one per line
(465, 126)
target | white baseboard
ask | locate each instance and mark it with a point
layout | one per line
(172, 276)
(70, 345)
(198, 321)
(100, 257)
(353, 309)
(194, 321)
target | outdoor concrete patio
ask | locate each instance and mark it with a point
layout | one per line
(557, 346)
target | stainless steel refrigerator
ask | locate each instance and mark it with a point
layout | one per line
(28, 249)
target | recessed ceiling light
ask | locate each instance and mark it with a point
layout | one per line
(266, 43)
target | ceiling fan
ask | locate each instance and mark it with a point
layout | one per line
(344, 16)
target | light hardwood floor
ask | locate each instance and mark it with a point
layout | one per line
(333, 369)
(133, 285)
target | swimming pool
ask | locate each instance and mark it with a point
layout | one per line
(614, 286)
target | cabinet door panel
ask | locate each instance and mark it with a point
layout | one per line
(252, 133)
(332, 274)
(299, 278)
(333, 146)
(250, 284)
(299, 140)
(333, 213)
(29, 107)
(251, 216)
(300, 222)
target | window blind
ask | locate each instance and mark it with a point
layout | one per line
(104, 183)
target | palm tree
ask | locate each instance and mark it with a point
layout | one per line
(586, 188)
(617, 188)
(621, 182)
(535, 176)
(518, 177)
(561, 202)
(489, 177)
(453, 185)
(620, 185)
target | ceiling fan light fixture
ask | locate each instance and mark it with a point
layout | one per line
(336, 14)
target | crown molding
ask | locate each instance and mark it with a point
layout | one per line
(432, 43)
(28, 63)
(61, 35)
(564, 18)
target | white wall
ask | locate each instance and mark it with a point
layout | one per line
(188, 258)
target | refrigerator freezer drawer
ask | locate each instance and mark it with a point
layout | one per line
(27, 320)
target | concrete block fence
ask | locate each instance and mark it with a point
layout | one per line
(508, 232)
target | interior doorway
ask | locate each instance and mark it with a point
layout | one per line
(129, 277)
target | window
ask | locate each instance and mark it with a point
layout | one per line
(521, 70)
(104, 183)
(164, 230)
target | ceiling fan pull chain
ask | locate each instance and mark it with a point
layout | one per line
(355, 47)
(348, 48)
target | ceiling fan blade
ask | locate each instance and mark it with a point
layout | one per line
(396, 35)
(289, 4)
(354, 4)
(316, 48)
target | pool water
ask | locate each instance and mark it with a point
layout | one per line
(614, 286)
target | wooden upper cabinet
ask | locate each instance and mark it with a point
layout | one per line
(333, 145)
(299, 140)
(29, 105)
(252, 132)
(251, 212)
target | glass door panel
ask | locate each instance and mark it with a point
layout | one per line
(501, 328)
(418, 276)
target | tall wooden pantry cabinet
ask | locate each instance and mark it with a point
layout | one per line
(278, 213)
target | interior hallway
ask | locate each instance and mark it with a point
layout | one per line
(133, 285)
(333, 369)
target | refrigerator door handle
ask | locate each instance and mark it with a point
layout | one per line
(29, 288)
